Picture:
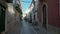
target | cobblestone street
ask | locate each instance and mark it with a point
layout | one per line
(27, 28)
(15, 30)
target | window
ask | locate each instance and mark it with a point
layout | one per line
(34, 17)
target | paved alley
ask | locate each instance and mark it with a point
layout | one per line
(27, 28)
(15, 30)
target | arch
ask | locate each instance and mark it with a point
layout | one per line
(45, 15)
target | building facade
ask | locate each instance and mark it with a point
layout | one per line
(35, 11)
(32, 15)
(12, 16)
(49, 15)
(9, 16)
(29, 13)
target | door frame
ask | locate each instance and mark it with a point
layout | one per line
(46, 14)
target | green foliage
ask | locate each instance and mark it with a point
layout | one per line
(18, 7)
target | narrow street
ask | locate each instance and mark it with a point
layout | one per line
(29, 17)
(27, 28)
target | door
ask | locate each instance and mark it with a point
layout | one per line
(30, 18)
(2, 18)
(44, 16)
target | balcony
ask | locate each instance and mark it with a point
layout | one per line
(9, 1)
(42, 0)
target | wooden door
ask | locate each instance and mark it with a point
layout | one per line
(44, 16)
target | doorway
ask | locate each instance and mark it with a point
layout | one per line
(44, 17)
(2, 18)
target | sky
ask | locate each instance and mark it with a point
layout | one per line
(25, 4)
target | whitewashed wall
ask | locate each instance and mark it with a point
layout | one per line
(35, 9)
(12, 17)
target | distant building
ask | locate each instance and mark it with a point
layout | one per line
(29, 12)
(34, 11)
(15, 2)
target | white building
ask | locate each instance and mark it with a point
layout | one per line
(34, 11)
(12, 16)
(29, 10)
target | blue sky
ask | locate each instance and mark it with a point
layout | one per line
(25, 4)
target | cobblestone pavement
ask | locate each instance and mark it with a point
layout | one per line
(40, 30)
(16, 29)
(27, 28)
